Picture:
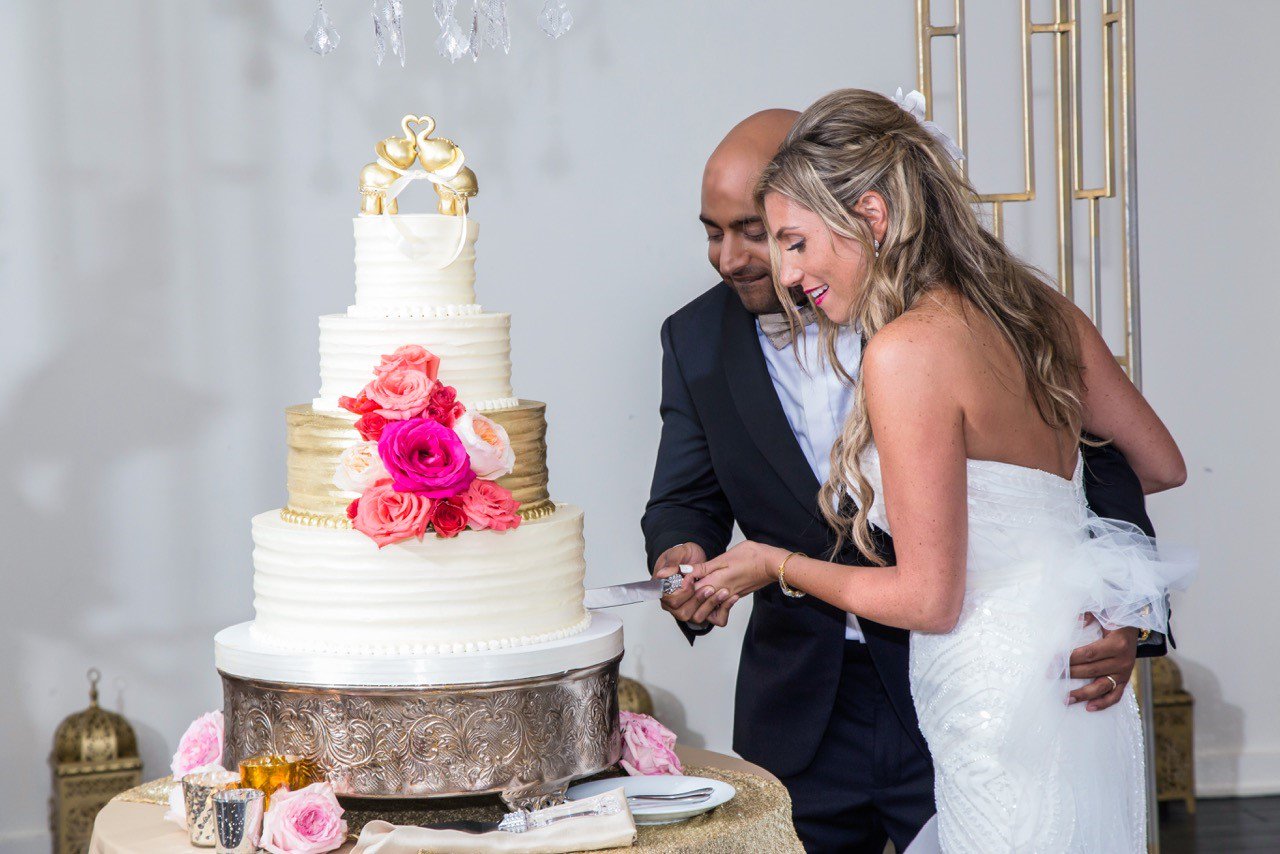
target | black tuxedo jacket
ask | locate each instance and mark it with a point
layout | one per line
(727, 455)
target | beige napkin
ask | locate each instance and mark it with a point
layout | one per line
(587, 833)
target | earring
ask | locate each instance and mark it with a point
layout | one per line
(877, 245)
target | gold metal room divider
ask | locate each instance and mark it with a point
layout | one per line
(1066, 31)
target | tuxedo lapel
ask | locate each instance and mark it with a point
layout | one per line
(757, 402)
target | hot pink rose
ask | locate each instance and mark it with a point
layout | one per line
(490, 506)
(425, 457)
(400, 393)
(387, 516)
(200, 745)
(648, 747)
(410, 357)
(308, 821)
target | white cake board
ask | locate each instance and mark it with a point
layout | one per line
(238, 654)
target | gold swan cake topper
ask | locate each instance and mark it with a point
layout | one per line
(442, 163)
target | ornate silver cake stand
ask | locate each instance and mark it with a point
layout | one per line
(521, 723)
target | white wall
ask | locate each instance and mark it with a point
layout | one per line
(174, 215)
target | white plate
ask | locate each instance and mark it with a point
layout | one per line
(662, 784)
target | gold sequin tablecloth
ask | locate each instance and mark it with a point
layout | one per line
(757, 820)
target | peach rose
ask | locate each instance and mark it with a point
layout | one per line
(410, 357)
(200, 745)
(359, 467)
(487, 444)
(387, 516)
(490, 506)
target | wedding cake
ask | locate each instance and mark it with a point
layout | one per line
(418, 545)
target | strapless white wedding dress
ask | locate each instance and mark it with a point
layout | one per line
(1017, 770)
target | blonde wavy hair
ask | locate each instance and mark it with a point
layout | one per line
(852, 141)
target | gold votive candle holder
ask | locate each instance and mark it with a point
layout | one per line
(270, 771)
(198, 790)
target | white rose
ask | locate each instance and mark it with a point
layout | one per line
(487, 445)
(359, 467)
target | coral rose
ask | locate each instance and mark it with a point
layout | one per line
(425, 457)
(387, 516)
(490, 506)
(359, 467)
(370, 426)
(448, 518)
(410, 357)
(358, 405)
(487, 444)
(400, 393)
(308, 821)
(648, 747)
(200, 745)
(444, 405)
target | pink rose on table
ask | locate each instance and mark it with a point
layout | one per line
(490, 506)
(400, 393)
(200, 745)
(386, 516)
(308, 821)
(487, 444)
(448, 518)
(410, 357)
(648, 747)
(425, 457)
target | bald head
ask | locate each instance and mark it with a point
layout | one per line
(736, 242)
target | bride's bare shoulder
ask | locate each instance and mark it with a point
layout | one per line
(923, 344)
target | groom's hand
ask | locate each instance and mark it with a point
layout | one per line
(685, 604)
(1113, 656)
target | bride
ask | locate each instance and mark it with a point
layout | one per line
(978, 384)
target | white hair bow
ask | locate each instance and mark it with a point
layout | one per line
(914, 104)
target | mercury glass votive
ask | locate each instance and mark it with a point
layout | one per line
(238, 815)
(270, 771)
(198, 790)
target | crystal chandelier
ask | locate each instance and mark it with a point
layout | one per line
(485, 28)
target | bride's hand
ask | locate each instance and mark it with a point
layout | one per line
(741, 570)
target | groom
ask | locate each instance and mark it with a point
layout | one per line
(822, 700)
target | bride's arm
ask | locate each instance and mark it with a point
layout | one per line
(919, 428)
(1114, 409)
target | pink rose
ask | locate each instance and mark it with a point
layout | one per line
(357, 405)
(410, 357)
(308, 821)
(386, 516)
(490, 506)
(487, 444)
(425, 457)
(648, 747)
(370, 425)
(200, 745)
(400, 393)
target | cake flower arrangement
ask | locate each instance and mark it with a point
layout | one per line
(426, 463)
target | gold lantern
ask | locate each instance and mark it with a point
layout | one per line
(95, 757)
(1175, 756)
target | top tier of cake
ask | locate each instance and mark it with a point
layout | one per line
(411, 289)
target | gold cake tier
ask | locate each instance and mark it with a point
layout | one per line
(317, 439)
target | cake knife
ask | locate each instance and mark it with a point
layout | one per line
(635, 591)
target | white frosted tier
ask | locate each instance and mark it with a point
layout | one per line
(238, 653)
(474, 351)
(334, 591)
(398, 262)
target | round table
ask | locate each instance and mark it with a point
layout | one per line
(758, 819)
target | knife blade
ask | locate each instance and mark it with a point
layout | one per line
(635, 591)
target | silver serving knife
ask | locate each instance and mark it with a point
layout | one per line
(636, 591)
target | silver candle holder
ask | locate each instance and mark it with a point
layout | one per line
(198, 790)
(238, 814)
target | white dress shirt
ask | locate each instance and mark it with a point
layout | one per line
(816, 401)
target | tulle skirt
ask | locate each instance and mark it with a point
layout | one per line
(1017, 769)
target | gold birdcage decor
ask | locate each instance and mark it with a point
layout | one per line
(94, 758)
